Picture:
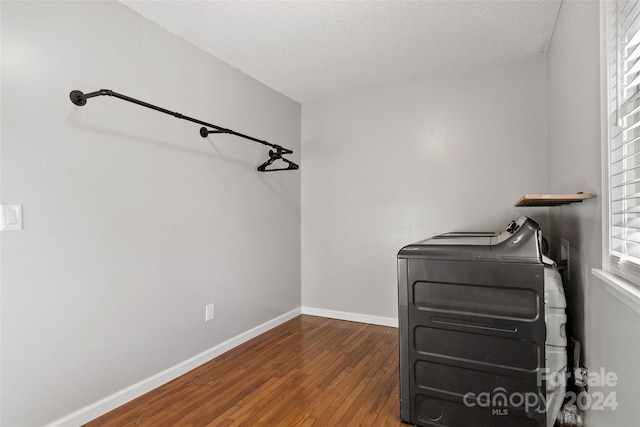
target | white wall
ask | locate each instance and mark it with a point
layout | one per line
(132, 221)
(389, 167)
(608, 328)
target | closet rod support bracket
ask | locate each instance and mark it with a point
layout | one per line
(77, 97)
(204, 132)
(80, 98)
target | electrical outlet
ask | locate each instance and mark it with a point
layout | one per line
(209, 312)
(565, 256)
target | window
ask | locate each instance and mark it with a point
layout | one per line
(623, 137)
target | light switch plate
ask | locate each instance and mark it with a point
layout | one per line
(10, 217)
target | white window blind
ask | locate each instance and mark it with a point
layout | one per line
(623, 78)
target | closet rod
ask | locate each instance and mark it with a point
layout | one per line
(79, 98)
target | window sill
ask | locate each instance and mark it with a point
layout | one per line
(625, 291)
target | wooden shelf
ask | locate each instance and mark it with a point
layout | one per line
(531, 200)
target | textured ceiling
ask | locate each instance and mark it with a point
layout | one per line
(317, 50)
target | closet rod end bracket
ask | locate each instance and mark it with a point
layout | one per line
(77, 97)
(204, 132)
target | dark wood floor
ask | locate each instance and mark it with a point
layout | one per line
(310, 371)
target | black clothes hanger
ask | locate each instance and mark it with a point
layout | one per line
(277, 155)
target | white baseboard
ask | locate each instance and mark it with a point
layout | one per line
(353, 317)
(121, 397)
